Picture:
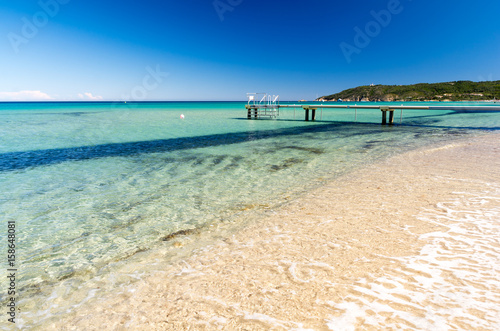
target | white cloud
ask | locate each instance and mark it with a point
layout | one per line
(89, 96)
(24, 96)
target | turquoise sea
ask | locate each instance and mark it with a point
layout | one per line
(91, 185)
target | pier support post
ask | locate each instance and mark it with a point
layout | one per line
(252, 110)
(313, 113)
(384, 115)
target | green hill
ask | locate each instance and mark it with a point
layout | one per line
(450, 91)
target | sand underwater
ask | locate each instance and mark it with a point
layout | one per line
(411, 242)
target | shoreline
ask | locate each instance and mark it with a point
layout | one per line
(296, 267)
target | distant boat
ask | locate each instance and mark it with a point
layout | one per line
(339, 100)
(302, 100)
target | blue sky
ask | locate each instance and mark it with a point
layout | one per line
(219, 50)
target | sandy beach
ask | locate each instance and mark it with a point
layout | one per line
(408, 243)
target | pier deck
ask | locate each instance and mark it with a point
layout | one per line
(272, 110)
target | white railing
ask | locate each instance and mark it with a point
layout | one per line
(266, 99)
(265, 104)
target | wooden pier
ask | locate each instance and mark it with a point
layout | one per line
(257, 110)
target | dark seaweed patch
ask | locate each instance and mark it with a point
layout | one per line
(218, 159)
(369, 145)
(131, 206)
(197, 162)
(311, 150)
(455, 132)
(66, 276)
(286, 164)
(180, 233)
(235, 162)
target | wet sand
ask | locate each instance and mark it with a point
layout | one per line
(408, 243)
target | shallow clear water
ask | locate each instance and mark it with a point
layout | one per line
(91, 184)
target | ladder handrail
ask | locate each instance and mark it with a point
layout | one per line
(263, 98)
